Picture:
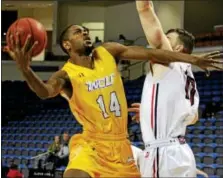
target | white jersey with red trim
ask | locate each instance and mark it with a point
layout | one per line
(168, 104)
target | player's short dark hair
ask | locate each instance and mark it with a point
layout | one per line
(63, 37)
(185, 37)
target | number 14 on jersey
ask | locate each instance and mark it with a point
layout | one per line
(114, 105)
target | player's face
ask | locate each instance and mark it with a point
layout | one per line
(57, 139)
(79, 38)
(174, 42)
(65, 137)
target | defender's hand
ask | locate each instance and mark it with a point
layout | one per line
(21, 54)
(208, 55)
(135, 107)
(143, 5)
(210, 60)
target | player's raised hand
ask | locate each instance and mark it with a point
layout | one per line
(21, 54)
(135, 107)
(210, 60)
(210, 54)
(143, 5)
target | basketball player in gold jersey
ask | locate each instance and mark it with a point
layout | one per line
(91, 83)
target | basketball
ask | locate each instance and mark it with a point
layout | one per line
(24, 27)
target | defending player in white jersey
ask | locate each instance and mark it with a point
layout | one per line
(169, 102)
(137, 154)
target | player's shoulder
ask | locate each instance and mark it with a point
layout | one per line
(69, 69)
(101, 52)
(114, 48)
(107, 50)
(111, 44)
(98, 49)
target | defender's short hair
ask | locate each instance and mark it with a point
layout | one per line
(185, 37)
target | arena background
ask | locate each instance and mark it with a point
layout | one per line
(24, 116)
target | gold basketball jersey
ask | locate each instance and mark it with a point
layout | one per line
(98, 101)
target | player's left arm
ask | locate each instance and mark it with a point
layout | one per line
(157, 55)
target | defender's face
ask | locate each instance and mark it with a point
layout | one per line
(79, 38)
(175, 43)
(173, 39)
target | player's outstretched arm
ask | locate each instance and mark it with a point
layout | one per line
(22, 56)
(151, 25)
(50, 89)
(161, 56)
